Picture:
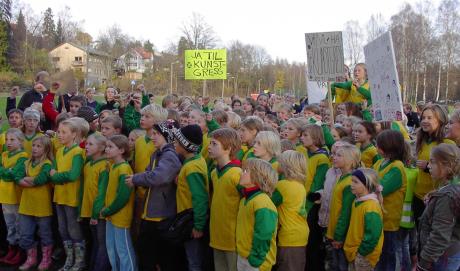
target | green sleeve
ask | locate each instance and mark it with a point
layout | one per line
(391, 181)
(376, 158)
(328, 138)
(318, 182)
(366, 93)
(197, 184)
(100, 197)
(121, 198)
(240, 155)
(250, 154)
(145, 100)
(367, 116)
(43, 176)
(264, 227)
(16, 173)
(98, 107)
(212, 125)
(131, 118)
(277, 198)
(343, 85)
(205, 109)
(372, 232)
(345, 213)
(73, 174)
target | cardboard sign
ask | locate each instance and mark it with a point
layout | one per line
(324, 56)
(316, 91)
(205, 64)
(383, 79)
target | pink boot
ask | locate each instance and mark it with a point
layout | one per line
(31, 259)
(45, 264)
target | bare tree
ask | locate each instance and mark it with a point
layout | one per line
(198, 33)
(353, 47)
(375, 27)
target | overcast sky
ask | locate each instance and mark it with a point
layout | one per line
(278, 26)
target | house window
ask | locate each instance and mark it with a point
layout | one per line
(56, 59)
(78, 58)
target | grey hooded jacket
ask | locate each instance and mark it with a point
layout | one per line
(159, 178)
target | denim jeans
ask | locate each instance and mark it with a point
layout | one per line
(10, 214)
(120, 248)
(387, 260)
(194, 251)
(69, 228)
(339, 261)
(99, 258)
(451, 263)
(403, 251)
(27, 227)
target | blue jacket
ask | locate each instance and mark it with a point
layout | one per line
(159, 178)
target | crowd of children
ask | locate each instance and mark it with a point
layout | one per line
(243, 185)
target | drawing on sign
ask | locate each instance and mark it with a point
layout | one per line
(205, 64)
(324, 56)
(383, 79)
(316, 91)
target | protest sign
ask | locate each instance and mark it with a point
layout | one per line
(205, 64)
(383, 79)
(324, 56)
(317, 91)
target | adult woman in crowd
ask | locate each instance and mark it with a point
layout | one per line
(453, 128)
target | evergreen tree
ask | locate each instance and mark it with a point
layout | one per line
(148, 46)
(59, 33)
(5, 35)
(49, 29)
(18, 44)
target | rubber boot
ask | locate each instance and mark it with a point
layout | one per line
(79, 264)
(46, 261)
(31, 260)
(10, 254)
(18, 257)
(69, 259)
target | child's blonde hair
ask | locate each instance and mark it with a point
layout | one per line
(73, 127)
(448, 156)
(100, 140)
(293, 165)
(137, 132)
(351, 154)
(253, 123)
(83, 127)
(270, 141)
(157, 112)
(234, 120)
(18, 134)
(47, 148)
(298, 123)
(316, 134)
(262, 174)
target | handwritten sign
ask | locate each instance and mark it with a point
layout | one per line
(324, 56)
(205, 64)
(317, 91)
(383, 78)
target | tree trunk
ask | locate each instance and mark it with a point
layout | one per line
(439, 82)
(204, 88)
(447, 82)
(416, 86)
(424, 83)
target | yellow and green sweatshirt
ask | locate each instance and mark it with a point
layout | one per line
(119, 197)
(12, 170)
(365, 234)
(369, 155)
(193, 189)
(289, 198)
(36, 200)
(356, 95)
(256, 229)
(224, 207)
(68, 165)
(94, 186)
(392, 177)
(28, 142)
(317, 166)
(340, 209)
(424, 182)
(143, 150)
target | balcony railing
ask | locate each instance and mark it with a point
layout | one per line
(77, 63)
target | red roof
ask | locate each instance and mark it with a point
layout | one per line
(145, 54)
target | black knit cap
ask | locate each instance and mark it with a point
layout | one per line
(166, 129)
(87, 113)
(190, 137)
